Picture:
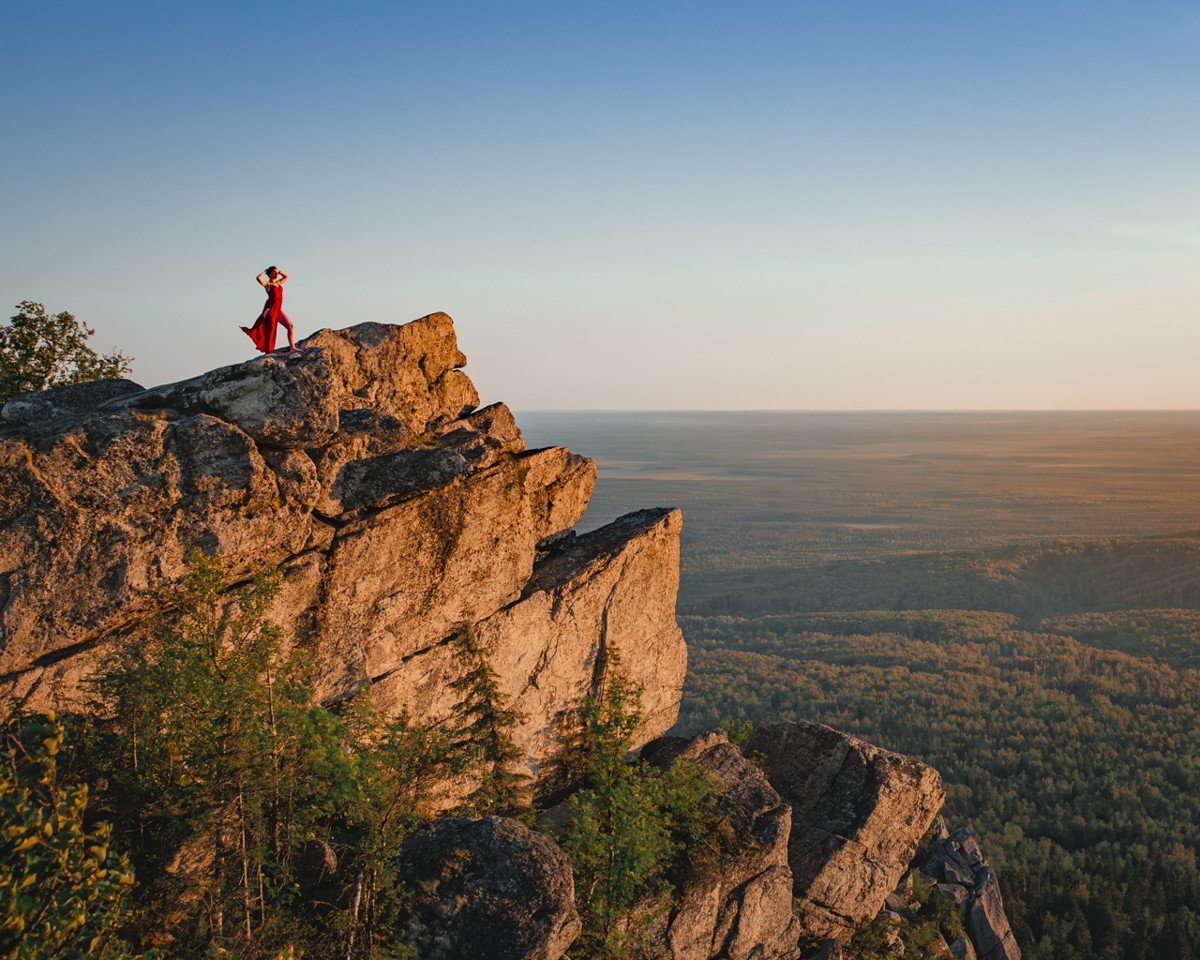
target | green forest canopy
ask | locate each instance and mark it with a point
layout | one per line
(1078, 767)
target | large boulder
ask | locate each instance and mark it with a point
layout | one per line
(488, 889)
(858, 814)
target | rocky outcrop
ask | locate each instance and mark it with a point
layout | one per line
(598, 594)
(401, 515)
(397, 511)
(739, 908)
(487, 889)
(964, 877)
(858, 814)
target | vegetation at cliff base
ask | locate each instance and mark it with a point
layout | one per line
(632, 828)
(260, 824)
(40, 350)
(256, 820)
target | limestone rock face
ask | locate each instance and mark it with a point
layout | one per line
(742, 908)
(858, 814)
(488, 889)
(397, 511)
(965, 877)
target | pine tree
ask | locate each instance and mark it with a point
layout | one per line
(632, 827)
(484, 733)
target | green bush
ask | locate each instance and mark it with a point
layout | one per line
(63, 888)
(633, 828)
(223, 776)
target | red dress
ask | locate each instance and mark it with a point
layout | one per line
(263, 331)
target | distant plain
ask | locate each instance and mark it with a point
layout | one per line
(778, 487)
(1013, 597)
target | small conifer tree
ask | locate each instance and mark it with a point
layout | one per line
(632, 827)
(484, 734)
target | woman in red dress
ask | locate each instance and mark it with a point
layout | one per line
(263, 331)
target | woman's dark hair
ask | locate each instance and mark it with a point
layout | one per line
(269, 269)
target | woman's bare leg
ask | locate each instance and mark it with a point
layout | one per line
(287, 325)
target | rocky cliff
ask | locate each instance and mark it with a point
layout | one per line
(397, 509)
(400, 513)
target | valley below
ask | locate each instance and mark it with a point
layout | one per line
(1011, 597)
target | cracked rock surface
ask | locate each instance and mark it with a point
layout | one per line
(858, 815)
(396, 508)
(965, 877)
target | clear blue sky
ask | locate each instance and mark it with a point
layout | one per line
(808, 205)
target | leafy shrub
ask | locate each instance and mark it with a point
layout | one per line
(632, 827)
(737, 731)
(40, 350)
(63, 888)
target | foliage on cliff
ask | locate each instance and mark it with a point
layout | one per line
(484, 736)
(257, 820)
(631, 826)
(63, 885)
(260, 823)
(40, 350)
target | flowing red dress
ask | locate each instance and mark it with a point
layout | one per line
(263, 331)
